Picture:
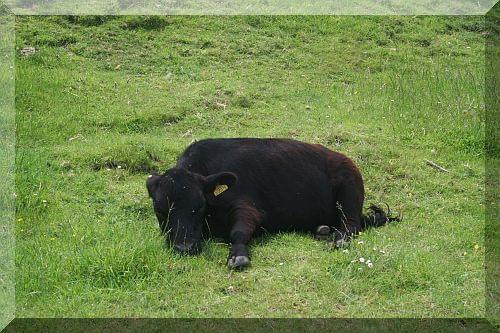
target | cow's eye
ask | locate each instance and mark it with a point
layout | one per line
(196, 210)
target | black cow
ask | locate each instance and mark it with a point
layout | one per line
(235, 188)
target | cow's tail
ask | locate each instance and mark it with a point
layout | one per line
(378, 217)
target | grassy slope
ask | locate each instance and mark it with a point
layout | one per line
(133, 92)
(7, 118)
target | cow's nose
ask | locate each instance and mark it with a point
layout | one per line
(183, 247)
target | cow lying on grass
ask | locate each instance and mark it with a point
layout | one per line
(236, 188)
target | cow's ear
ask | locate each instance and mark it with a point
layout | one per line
(152, 183)
(217, 184)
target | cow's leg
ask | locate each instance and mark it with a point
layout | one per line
(246, 218)
(349, 207)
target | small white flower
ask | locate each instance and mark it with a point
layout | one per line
(44, 201)
(119, 167)
(369, 264)
(382, 251)
(361, 242)
(281, 264)
(361, 259)
(345, 250)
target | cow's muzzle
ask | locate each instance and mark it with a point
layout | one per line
(188, 248)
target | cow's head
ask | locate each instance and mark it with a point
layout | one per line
(180, 199)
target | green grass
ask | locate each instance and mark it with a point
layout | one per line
(104, 100)
(7, 145)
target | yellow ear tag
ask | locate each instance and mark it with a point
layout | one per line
(219, 189)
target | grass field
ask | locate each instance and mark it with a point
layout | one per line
(104, 100)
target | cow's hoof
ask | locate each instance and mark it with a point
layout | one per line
(323, 232)
(238, 262)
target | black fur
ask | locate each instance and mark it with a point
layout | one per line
(378, 217)
(272, 185)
